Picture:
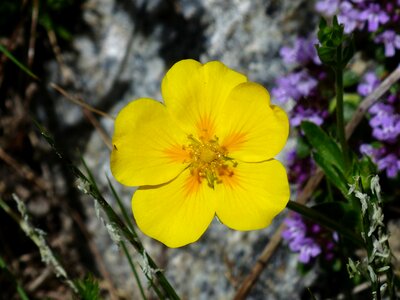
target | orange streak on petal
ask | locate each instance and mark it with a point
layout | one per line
(234, 141)
(178, 153)
(205, 128)
(229, 177)
(192, 184)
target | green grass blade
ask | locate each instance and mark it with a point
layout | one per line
(17, 62)
(134, 240)
(10, 275)
(121, 206)
(89, 186)
(135, 274)
(132, 228)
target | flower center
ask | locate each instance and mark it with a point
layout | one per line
(207, 155)
(209, 160)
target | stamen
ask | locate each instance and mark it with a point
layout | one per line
(209, 160)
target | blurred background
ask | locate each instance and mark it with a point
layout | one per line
(107, 53)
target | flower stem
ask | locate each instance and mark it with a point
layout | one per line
(339, 107)
(323, 220)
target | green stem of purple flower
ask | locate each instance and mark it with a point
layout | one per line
(339, 107)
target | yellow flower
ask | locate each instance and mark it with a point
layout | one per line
(207, 150)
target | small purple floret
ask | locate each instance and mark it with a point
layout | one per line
(391, 40)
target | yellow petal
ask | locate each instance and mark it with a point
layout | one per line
(195, 93)
(251, 197)
(249, 127)
(175, 213)
(147, 145)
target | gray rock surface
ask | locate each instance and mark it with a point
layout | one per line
(129, 48)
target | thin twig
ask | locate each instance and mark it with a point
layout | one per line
(275, 240)
(104, 136)
(66, 72)
(23, 170)
(371, 99)
(79, 101)
(32, 38)
(311, 185)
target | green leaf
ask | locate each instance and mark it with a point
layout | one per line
(334, 175)
(350, 104)
(327, 55)
(63, 33)
(322, 23)
(324, 145)
(364, 168)
(88, 288)
(348, 51)
(350, 78)
(351, 99)
(302, 148)
(335, 22)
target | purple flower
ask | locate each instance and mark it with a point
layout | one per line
(374, 153)
(381, 108)
(385, 160)
(308, 249)
(384, 122)
(390, 163)
(302, 52)
(300, 169)
(392, 98)
(307, 239)
(369, 82)
(349, 17)
(391, 41)
(327, 7)
(375, 16)
(386, 127)
(301, 114)
(295, 234)
(295, 228)
(293, 86)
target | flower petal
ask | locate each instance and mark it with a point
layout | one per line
(147, 145)
(251, 197)
(250, 128)
(175, 213)
(195, 93)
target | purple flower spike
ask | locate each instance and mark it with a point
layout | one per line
(391, 41)
(309, 250)
(300, 169)
(384, 122)
(369, 82)
(301, 114)
(370, 151)
(385, 160)
(302, 52)
(375, 16)
(391, 164)
(293, 87)
(349, 17)
(307, 239)
(327, 7)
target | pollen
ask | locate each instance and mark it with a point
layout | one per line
(209, 160)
